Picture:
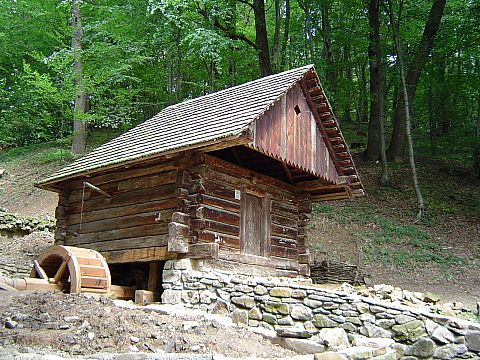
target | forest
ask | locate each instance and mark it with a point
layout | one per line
(71, 68)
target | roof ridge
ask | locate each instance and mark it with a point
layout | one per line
(217, 92)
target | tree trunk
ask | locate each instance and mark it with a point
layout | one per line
(397, 145)
(261, 39)
(285, 35)
(79, 127)
(276, 35)
(178, 67)
(349, 93)
(372, 153)
(327, 47)
(406, 105)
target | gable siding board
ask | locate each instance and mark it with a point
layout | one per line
(295, 139)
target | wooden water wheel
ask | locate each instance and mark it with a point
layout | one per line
(75, 269)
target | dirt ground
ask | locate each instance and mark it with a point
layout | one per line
(82, 325)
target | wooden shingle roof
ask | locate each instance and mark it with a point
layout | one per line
(193, 123)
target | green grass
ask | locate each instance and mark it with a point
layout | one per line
(390, 241)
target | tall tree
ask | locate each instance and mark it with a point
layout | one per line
(407, 107)
(372, 152)
(397, 145)
(79, 126)
(261, 38)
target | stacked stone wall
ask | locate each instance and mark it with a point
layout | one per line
(298, 310)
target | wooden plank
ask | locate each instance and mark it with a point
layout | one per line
(94, 271)
(103, 214)
(122, 222)
(284, 221)
(215, 226)
(138, 255)
(203, 251)
(61, 270)
(284, 242)
(144, 297)
(154, 276)
(215, 214)
(284, 231)
(129, 184)
(123, 199)
(259, 260)
(219, 238)
(206, 199)
(117, 234)
(41, 273)
(283, 252)
(131, 243)
(178, 237)
(127, 174)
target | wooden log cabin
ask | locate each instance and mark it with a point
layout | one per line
(229, 178)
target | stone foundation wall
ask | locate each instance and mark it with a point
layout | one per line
(327, 320)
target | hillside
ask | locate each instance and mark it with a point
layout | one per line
(440, 254)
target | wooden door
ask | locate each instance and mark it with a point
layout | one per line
(255, 225)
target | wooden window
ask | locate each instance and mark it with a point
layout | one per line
(255, 224)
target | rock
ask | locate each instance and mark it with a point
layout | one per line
(432, 298)
(373, 342)
(349, 327)
(385, 323)
(189, 325)
(302, 346)
(90, 335)
(422, 348)
(301, 312)
(171, 276)
(239, 316)
(281, 292)
(276, 308)
(363, 308)
(260, 290)
(314, 304)
(334, 338)
(338, 319)
(269, 319)
(390, 354)
(293, 332)
(71, 318)
(439, 333)
(10, 324)
(286, 320)
(134, 339)
(220, 307)
(299, 294)
(450, 351)
(171, 297)
(133, 348)
(330, 355)
(367, 318)
(402, 319)
(190, 296)
(374, 331)
(2, 171)
(472, 340)
(207, 297)
(195, 348)
(323, 321)
(244, 301)
(358, 353)
(255, 314)
(409, 331)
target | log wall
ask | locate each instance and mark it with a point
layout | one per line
(216, 190)
(132, 224)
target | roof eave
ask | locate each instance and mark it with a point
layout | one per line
(54, 183)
